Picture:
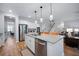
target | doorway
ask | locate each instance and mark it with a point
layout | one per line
(9, 26)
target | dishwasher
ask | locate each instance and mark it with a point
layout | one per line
(40, 47)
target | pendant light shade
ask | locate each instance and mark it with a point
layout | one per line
(51, 17)
(35, 21)
(41, 19)
(35, 16)
(51, 14)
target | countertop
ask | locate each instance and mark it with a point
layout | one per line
(48, 38)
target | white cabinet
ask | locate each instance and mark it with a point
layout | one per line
(56, 49)
(33, 44)
(30, 42)
(27, 40)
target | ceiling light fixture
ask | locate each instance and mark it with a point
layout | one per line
(29, 16)
(35, 16)
(10, 11)
(41, 19)
(51, 18)
(51, 15)
(35, 21)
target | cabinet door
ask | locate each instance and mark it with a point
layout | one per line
(56, 49)
(33, 45)
(30, 42)
(27, 40)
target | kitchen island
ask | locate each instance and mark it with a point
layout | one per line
(53, 44)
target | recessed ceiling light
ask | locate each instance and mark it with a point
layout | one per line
(29, 16)
(10, 10)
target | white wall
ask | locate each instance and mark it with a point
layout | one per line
(1, 28)
(16, 29)
(72, 24)
(1, 23)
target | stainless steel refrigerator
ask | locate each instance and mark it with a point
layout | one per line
(22, 31)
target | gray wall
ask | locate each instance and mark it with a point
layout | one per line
(1, 24)
(72, 24)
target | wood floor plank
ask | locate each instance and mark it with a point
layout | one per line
(10, 48)
(69, 51)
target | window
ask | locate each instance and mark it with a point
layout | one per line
(69, 30)
(10, 26)
(76, 30)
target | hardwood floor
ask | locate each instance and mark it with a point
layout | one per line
(11, 48)
(24, 50)
(69, 51)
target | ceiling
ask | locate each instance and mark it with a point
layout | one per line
(61, 11)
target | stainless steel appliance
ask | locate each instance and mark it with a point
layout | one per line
(40, 47)
(22, 31)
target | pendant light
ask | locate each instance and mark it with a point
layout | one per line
(35, 16)
(41, 19)
(51, 14)
(52, 22)
(10, 11)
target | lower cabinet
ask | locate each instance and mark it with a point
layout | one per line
(56, 49)
(33, 45)
(30, 42)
